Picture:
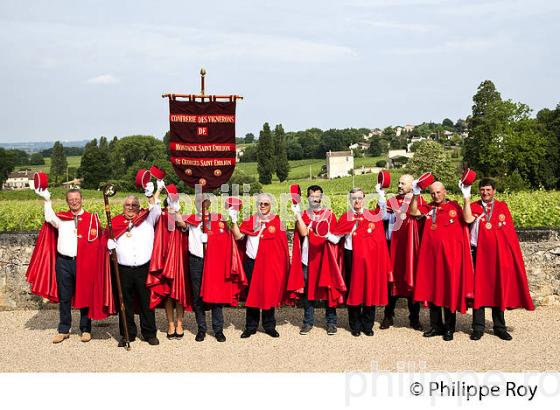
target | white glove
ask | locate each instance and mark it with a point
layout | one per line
(466, 190)
(43, 193)
(296, 209)
(233, 214)
(204, 238)
(416, 190)
(174, 205)
(149, 190)
(333, 238)
(160, 184)
(111, 244)
(380, 192)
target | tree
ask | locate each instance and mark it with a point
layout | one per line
(447, 123)
(6, 165)
(18, 157)
(93, 167)
(282, 164)
(58, 162)
(265, 155)
(294, 150)
(375, 148)
(549, 124)
(461, 125)
(133, 148)
(249, 138)
(36, 159)
(431, 157)
(249, 154)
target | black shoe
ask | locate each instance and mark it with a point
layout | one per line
(122, 343)
(476, 335)
(387, 322)
(331, 330)
(179, 335)
(247, 333)
(368, 332)
(432, 333)
(503, 334)
(272, 333)
(415, 324)
(356, 333)
(200, 336)
(171, 336)
(153, 341)
(448, 335)
(220, 337)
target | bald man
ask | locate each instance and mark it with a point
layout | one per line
(445, 276)
(404, 241)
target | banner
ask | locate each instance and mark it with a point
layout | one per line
(202, 142)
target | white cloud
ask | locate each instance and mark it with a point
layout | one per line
(393, 25)
(103, 79)
(464, 45)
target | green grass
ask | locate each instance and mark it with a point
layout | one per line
(73, 162)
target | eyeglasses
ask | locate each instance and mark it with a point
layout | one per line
(357, 198)
(264, 204)
(131, 205)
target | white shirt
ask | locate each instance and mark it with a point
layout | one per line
(252, 245)
(348, 240)
(305, 251)
(195, 240)
(136, 249)
(67, 243)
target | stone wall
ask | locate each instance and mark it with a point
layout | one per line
(541, 249)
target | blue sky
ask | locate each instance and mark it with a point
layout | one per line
(82, 69)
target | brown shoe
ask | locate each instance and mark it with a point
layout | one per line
(60, 337)
(86, 337)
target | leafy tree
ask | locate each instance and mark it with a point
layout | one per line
(134, 148)
(18, 157)
(265, 155)
(58, 162)
(549, 124)
(249, 154)
(431, 157)
(249, 138)
(375, 148)
(294, 150)
(461, 125)
(447, 123)
(36, 159)
(281, 162)
(6, 165)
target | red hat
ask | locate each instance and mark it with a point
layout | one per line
(295, 192)
(156, 172)
(40, 180)
(384, 179)
(172, 192)
(233, 203)
(142, 178)
(426, 180)
(322, 228)
(469, 176)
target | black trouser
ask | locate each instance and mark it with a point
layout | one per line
(436, 319)
(196, 267)
(253, 314)
(413, 308)
(309, 306)
(479, 322)
(133, 281)
(359, 317)
(66, 283)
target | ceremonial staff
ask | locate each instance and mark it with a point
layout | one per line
(109, 190)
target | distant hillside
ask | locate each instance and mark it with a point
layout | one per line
(31, 147)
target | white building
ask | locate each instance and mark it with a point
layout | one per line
(339, 164)
(19, 180)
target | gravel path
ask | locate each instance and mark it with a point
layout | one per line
(25, 343)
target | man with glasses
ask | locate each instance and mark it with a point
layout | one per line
(67, 264)
(500, 280)
(134, 240)
(366, 263)
(266, 264)
(314, 273)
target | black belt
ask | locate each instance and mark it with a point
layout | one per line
(68, 258)
(195, 257)
(134, 267)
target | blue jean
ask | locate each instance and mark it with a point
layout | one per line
(309, 307)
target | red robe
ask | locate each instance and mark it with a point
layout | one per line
(405, 243)
(223, 276)
(371, 264)
(324, 278)
(93, 280)
(445, 275)
(166, 275)
(500, 279)
(272, 264)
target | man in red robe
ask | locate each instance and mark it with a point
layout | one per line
(445, 272)
(266, 263)
(404, 239)
(214, 266)
(500, 281)
(366, 262)
(69, 265)
(312, 276)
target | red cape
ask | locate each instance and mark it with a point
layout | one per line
(405, 243)
(500, 279)
(272, 264)
(93, 279)
(324, 278)
(445, 275)
(371, 264)
(120, 223)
